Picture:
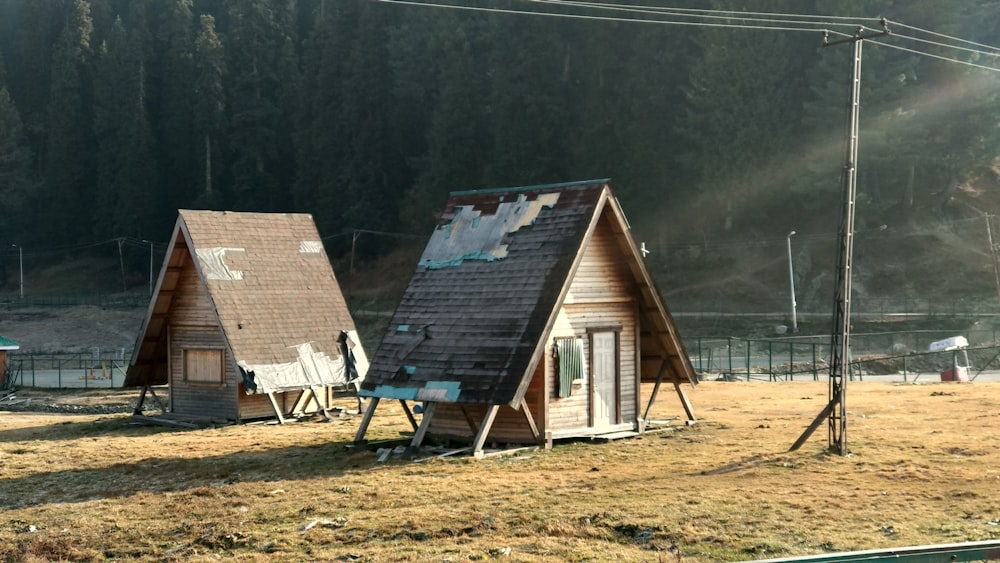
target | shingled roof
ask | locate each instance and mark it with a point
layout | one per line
(272, 291)
(471, 325)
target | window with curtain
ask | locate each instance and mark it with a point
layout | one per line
(569, 363)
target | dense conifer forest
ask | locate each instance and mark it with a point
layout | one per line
(114, 113)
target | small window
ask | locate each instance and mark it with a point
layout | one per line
(568, 353)
(203, 366)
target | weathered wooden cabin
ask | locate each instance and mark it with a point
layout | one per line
(6, 345)
(531, 317)
(247, 320)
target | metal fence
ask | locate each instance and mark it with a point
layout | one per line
(100, 369)
(903, 355)
(900, 355)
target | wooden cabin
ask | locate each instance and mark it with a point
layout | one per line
(6, 345)
(247, 321)
(531, 317)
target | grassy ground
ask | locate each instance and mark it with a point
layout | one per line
(924, 468)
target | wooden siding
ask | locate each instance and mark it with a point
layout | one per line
(258, 406)
(600, 298)
(192, 324)
(510, 425)
(204, 400)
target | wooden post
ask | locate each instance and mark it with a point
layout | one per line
(418, 436)
(409, 414)
(685, 403)
(468, 419)
(366, 420)
(656, 389)
(156, 399)
(484, 430)
(531, 420)
(142, 399)
(274, 405)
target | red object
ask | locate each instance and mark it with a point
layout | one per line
(961, 376)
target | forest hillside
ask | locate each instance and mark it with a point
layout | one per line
(719, 141)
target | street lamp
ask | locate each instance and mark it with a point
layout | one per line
(791, 281)
(20, 267)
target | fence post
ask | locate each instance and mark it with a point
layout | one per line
(770, 360)
(748, 341)
(729, 348)
(815, 371)
(904, 368)
(791, 360)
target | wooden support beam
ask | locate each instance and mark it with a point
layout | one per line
(274, 405)
(656, 390)
(815, 424)
(468, 420)
(409, 414)
(365, 420)
(418, 436)
(152, 393)
(302, 402)
(685, 403)
(484, 430)
(142, 399)
(531, 421)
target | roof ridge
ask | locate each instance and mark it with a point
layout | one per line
(539, 187)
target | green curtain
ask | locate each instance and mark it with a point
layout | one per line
(569, 358)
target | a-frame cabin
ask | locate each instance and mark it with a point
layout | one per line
(531, 317)
(247, 321)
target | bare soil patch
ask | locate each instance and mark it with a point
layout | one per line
(924, 468)
(78, 329)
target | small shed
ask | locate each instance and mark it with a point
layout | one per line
(247, 320)
(531, 317)
(6, 345)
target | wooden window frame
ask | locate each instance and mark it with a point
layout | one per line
(221, 381)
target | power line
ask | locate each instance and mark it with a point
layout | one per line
(945, 45)
(709, 11)
(703, 14)
(592, 18)
(943, 36)
(933, 56)
(830, 21)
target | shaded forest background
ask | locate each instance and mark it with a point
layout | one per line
(115, 113)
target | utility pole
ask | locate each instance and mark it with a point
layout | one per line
(791, 282)
(840, 339)
(993, 254)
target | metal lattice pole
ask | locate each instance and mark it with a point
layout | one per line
(840, 338)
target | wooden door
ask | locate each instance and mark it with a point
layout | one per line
(604, 370)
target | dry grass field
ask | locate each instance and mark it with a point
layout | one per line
(924, 468)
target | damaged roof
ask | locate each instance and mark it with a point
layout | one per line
(473, 321)
(271, 290)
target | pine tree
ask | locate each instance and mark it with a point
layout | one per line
(209, 108)
(30, 71)
(69, 172)
(457, 135)
(743, 108)
(262, 80)
(179, 143)
(529, 86)
(15, 160)
(126, 177)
